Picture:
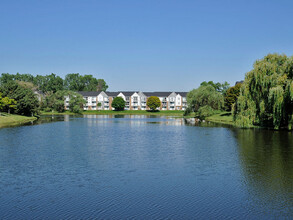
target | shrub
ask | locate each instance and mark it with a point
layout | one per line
(205, 111)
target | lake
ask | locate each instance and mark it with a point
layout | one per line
(143, 167)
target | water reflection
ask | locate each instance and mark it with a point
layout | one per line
(266, 159)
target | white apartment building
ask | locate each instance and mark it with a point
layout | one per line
(134, 100)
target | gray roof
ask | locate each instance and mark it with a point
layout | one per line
(159, 94)
(130, 93)
(89, 93)
(112, 94)
(183, 94)
(237, 82)
(127, 93)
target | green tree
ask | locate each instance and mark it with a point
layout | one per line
(231, 96)
(220, 87)
(54, 101)
(118, 103)
(76, 82)
(267, 94)
(205, 95)
(153, 102)
(102, 85)
(8, 104)
(49, 83)
(26, 101)
(76, 101)
(73, 82)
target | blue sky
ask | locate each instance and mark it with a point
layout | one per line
(149, 45)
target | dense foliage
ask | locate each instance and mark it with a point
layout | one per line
(231, 96)
(56, 101)
(118, 103)
(267, 94)
(153, 102)
(26, 101)
(205, 95)
(76, 101)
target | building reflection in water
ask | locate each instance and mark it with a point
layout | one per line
(134, 119)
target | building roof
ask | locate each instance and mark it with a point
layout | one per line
(113, 94)
(130, 93)
(183, 94)
(159, 94)
(89, 93)
(127, 93)
(237, 82)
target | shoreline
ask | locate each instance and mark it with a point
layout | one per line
(177, 113)
(10, 120)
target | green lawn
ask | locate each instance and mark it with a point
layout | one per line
(13, 120)
(135, 112)
(223, 118)
(126, 112)
(57, 113)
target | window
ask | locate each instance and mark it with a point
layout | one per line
(135, 99)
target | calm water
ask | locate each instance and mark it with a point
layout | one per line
(143, 167)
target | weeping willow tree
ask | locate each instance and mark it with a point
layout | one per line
(204, 100)
(266, 97)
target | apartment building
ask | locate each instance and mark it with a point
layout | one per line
(134, 100)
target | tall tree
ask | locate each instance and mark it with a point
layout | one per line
(267, 95)
(102, 85)
(205, 95)
(74, 82)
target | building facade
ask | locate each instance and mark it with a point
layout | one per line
(134, 100)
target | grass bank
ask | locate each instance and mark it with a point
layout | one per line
(176, 113)
(7, 120)
(135, 112)
(57, 113)
(223, 118)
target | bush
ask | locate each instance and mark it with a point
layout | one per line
(205, 111)
(47, 109)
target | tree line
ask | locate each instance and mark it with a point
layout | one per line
(26, 94)
(264, 98)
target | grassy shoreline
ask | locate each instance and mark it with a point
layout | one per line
(7, 120)
(177, 113)
(222, 118)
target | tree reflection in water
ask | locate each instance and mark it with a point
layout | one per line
(266, 159)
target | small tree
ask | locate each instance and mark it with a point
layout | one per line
(8, 104)
(153, 102)
(118, 103)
